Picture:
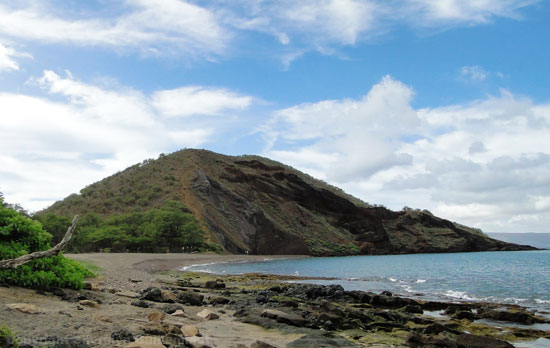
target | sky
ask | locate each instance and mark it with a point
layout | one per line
(440, 105)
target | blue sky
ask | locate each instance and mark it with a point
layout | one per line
(442, 105)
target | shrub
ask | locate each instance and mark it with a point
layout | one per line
(8, 338)
(19, 235)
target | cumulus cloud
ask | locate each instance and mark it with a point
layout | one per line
(7, 58)
(150, 26)
(78, 133)
(484, 163)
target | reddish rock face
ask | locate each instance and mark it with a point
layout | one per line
(255, 205)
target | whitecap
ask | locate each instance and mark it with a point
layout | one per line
(421, 280)
(392, 279)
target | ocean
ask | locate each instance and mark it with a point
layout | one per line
(521, 277)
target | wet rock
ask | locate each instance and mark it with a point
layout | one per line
(436, 328)
(285, 318)
(515, 316)
(416, 340)
(152, 294)
(414, 309)
(190, 331)
(207, 314)
(386, 293)
(464, 315)
(122, 335)
(391, 301)
(172, 308)
(473, 341)
(24, 308)
(89, 303)
(190, 298)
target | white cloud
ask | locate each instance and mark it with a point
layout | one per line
(50, 149)
(150, 26)
(485, 163)
(7, 55)
(196, 100)
(445, 12)
(473, 73)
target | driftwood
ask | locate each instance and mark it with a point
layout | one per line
(14, 263)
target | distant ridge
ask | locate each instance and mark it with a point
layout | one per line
(256, 205)
(538, 240)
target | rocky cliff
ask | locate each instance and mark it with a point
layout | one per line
(250, 203)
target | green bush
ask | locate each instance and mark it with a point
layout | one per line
(8, 338)
(19, 235)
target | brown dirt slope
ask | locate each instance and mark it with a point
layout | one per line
(251, 203)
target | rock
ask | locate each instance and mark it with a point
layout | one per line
(214, 284)
(190, 298)
(464, 315)
(473, 341)
(179, 313)
(146, 342)
(135, 280)
(516, 316)
(152, 294)
(285, 318)
(129, 294)
(24, 308)
(260, 344)
(156, 316)
(168, 296)
(421, 341)
(141, 303)
(207, 314)
(189, 331)
(122, 335)
(386, 293)
(415, 309)
(89, 303)
(154, 328)
(197, 342)
(173, 341)
(91, 286)
(172, 308)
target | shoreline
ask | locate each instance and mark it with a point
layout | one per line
(134, 289)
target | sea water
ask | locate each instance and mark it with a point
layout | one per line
(520, 277)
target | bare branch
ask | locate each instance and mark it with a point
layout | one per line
(14, 263)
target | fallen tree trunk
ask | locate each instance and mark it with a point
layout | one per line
(14, 263)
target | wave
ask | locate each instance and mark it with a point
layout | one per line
(421, 280)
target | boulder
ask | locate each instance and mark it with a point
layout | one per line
(414, 309)
(473, 341)
(190, 331)
(154, 328)
(214, 299)
(24, 308)
(207, 314)
(152, 294)
(190, 298)
(416, 340)
(141, 303)
(122, 335)
(214, 284)
(283, 317)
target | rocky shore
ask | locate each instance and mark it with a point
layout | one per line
(147, 303)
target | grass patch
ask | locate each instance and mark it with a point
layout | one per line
(8, 339)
